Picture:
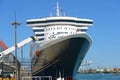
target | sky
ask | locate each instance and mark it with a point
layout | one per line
(105, 34)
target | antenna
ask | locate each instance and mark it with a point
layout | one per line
(57, 10)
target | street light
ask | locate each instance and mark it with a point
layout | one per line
(15, 24)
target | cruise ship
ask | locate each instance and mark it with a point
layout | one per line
(61, 46)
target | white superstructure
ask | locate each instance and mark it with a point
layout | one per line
(49, 28)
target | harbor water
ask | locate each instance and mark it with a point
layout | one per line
(98, 77)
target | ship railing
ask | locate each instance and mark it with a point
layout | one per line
(37, 78)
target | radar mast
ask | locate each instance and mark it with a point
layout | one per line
(57, 10)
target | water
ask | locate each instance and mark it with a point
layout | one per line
(98, 77)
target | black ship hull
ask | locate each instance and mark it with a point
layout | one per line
(61, 57)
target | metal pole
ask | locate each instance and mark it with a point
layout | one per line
(2, 70)
(21, 54)
(15, 24)
(15, 49)
(21, 59)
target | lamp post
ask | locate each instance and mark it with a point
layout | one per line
(15, 24)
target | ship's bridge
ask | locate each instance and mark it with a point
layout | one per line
(55, 27)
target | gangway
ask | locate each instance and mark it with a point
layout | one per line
(20, 44)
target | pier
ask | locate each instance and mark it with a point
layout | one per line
(8, 66)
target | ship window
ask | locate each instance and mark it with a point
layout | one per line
(83, 29)
(78, 30)
(38, 30)
(48, 28)
(39, 34)
(66, 32)
(65, 28)
(59, 27)
(41, 39)
(58, 32)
